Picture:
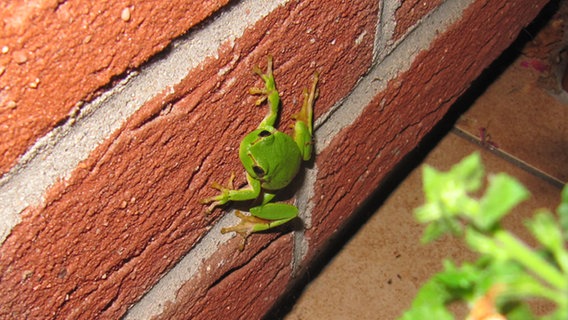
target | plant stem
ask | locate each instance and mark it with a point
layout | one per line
(521, 253)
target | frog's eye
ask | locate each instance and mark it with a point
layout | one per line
(264, 133)
(259, 171)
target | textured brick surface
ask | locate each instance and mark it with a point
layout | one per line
(131, 210)
(409, 12)
(56, 53)
(398, 118)
(243, 289)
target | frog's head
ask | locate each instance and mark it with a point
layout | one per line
(271, 157)
(255, 153)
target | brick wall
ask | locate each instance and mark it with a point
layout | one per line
(117, 115)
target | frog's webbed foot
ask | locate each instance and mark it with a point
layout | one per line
(260, 92)
(268, 75)
(222, 198)
(248, 225)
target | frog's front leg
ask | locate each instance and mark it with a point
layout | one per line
(228, 193)
(303, 128)
(262, 218)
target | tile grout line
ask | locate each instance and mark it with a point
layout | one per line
(509, 158)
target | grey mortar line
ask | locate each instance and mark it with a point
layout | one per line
(386, 67)
(230, 22)
(54, 156)
(57, 154)
(385, 29)
(165, 290)
(398, 60)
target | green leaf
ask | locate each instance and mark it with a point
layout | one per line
(440, 227)
(459, 282)
(428, 212)
(432, 183)
(469, 172)
(502, 195)
(562, 211)
(446, 195)
(429, 303)
(548, 233)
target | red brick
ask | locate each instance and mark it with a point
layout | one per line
(61, 52)
(410, 12)
(131, 210)
(396, 120)
(245, 288)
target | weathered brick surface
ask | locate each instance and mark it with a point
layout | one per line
(410, 12)
(56, 53)
(131, 210)
(399, 117)
(244, 289)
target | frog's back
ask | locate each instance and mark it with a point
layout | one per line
(275, 157)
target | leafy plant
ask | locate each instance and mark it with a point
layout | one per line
(508, 272)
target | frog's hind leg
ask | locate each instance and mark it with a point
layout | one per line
(246, 226)
(303, 128)
(262, 218)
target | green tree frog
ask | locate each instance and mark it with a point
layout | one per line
(271, 159)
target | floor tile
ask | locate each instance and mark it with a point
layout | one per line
(380, 270)
(524, 113)
(522, 120)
